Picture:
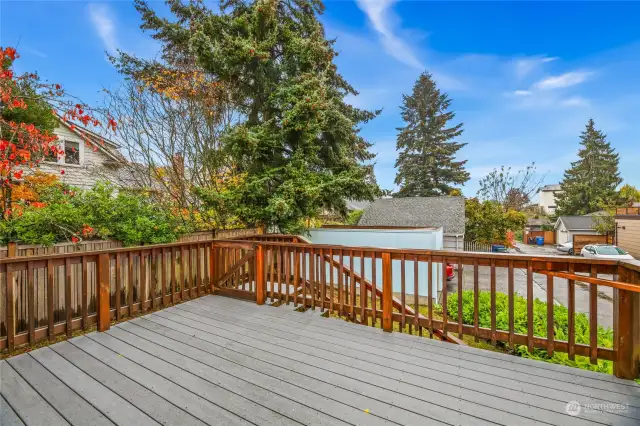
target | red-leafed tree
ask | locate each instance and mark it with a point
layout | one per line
(29, 111)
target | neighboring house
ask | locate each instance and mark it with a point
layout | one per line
(628, 230)
(547, 198)
(568, 226)
(84, 164)
(537, 224)
(423, 212)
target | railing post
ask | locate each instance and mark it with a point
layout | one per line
(104, 293)
(12, 249)
(212, 267)
(626, 329)
(260, 274)
(387, 293)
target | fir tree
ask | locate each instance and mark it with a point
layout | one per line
(590, 184)
(295, 140)
(426, 162)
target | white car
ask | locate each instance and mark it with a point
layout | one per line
(565, 247)
(605, 251)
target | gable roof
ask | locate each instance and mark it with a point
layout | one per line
(103, 144)
(576, 223)
(434, 212)
(553, 187)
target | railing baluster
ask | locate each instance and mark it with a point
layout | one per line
(416, 295)
(272, 255)
(50, 312)
(352, 282)
(460, 334)
(312, 277)
(11, 308)
(67, 295)
(476, 301)
(402, 293)
(118, 285)
(143, 281)
(183, 275)
(163, 278)
(363, 291)
(530, 306)
(174, 275)
(331, 284)
(340, 281)
(199, 265)
(493, 302)
(31, 303)
(445, 311)
(304, 278)
(430, 294)
(323, 278)
(374, 289)
(550, 319)
(287, 273)
(593, 318)
(154, 278)
(296, 275)
(130, 283)
(387, 293)
(511, 306)
(571, 287)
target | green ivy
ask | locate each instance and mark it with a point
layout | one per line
(560, 321)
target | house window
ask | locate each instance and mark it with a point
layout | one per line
(71, 152)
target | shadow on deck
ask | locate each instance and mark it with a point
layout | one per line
(217, 360)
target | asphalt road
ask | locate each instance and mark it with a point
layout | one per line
(560, 286)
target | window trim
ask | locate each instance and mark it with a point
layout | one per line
(62, 161)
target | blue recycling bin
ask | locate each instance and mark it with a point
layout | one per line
(498, 248)
(540, 241)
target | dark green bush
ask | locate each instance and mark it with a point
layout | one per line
(560, 319)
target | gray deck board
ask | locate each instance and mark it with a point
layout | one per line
(71, 405)
(8, 417)
(144, 399)
(199, 407)
(197, 349)
(25, 401)
(463, 356)
(120, 411)
(531, 406)
(216, 360)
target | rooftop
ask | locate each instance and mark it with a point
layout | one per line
(552, 187)
(430, 212)
(217, 360)
(582, 223)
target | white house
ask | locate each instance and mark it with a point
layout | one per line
(547, 198)
(83, 164)
(568, 226)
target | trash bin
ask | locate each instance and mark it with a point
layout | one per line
(540, 241)
(530, 241)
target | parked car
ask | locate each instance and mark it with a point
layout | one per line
(605, 251)
(565, 247)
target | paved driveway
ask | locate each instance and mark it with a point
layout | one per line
(560, 286)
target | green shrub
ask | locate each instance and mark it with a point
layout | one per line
(560, 319)
(64, 213)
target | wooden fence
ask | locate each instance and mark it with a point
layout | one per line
(628, 211)
(549, 236)
(362, 284)
(477, 246)
(581, 240)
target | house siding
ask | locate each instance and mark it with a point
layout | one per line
(453, 242)
(91, 168)
(629, 237)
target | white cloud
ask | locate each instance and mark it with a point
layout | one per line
(564, 80)
(575, 101)
(526, 66)
(380, 16)
(101, 18)
(522, 92)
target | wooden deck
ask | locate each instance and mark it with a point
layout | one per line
(217, 360)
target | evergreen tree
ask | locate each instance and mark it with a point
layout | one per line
(426, 162)
(295, 140)
(590, 184)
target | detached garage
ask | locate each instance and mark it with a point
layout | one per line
(568, 226)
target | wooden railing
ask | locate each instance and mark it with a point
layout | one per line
(44, 296)
(628, 211)
(405, 282)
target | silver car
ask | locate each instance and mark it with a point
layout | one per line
(565, 247)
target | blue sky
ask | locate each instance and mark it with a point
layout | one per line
(524, 77)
